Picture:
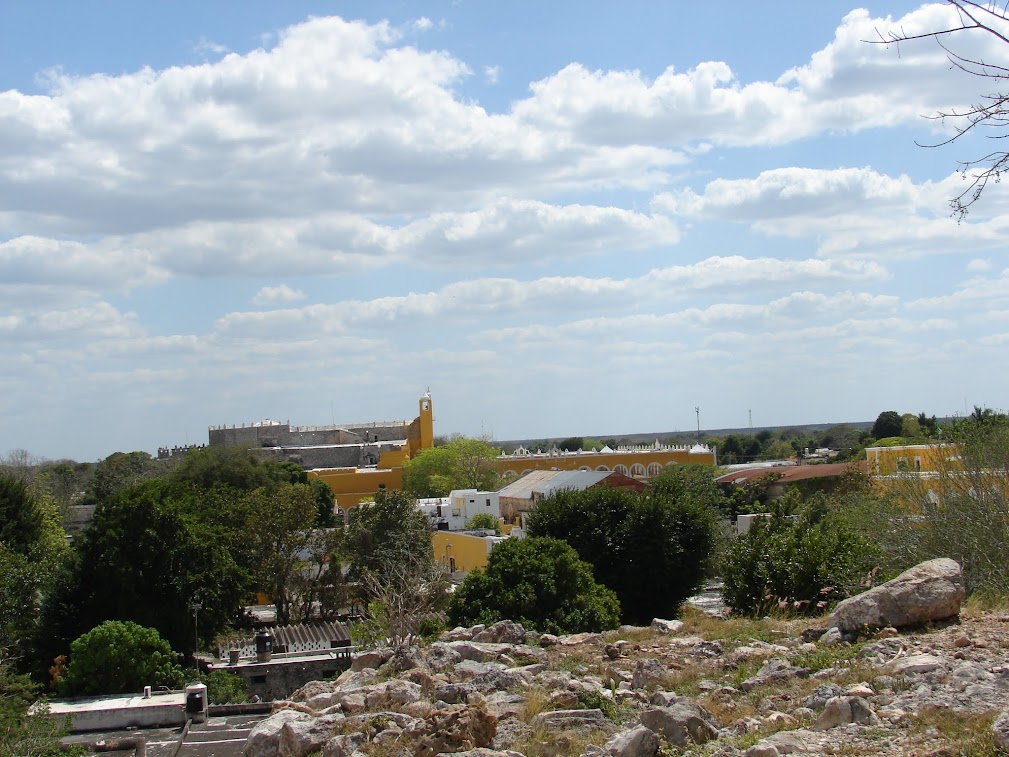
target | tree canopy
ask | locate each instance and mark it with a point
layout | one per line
(538, 582)
(463, 463)
(652, 549)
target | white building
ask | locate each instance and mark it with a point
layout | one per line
(451, 513)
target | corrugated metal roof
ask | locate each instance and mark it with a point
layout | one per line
(545, 482)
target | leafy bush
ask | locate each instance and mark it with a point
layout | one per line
(225, 688)
(118, 657)
(795, 563)
(538, 582)
(484, 520)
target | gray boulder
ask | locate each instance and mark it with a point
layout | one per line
(844, 710)
(682, 723)
(291, 733)
(932, 590)
(502, 632)
(648, 672)
(1000, 731)
(637, 742)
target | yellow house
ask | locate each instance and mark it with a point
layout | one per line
(640, 462)
(460, 552)
(910, 458)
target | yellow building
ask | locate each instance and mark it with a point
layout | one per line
(460, 552)
(353, 484)
(910, 458)
(641, 462)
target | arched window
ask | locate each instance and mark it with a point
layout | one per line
(654, 469)
(621, 469)
(585, 467)
(602, 468)
(637, 469)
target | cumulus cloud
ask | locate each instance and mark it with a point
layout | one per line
(277, 295)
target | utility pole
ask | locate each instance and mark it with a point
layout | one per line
(697, 412)
(196, 607)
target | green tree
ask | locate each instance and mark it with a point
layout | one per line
(667, 535)
(120, 657)
(118, 472)
(279, 532)
(26, 730)
(798, 563)
(888, 423)
(385, 532)
(232, 467)
(463, 463)
(32, 544)
(960, 509)
(149, 552)
(538, 582)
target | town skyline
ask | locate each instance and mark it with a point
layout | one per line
(561, 219)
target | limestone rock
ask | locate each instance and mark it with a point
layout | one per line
(290, 733)
(915, 664)
(648, 671)
(666, 626)
(502, 632)
(843, 710)
(682, 723)
(1000, 731)
(373, 658)
(932, 590)
(456, 730)
(637, 742)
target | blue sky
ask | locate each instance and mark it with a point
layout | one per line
(561, 218)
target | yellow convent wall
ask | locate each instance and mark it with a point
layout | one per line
(910, 458)
(643, 462)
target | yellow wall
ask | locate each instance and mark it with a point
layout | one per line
(911, 458)
(468, 552)
(519, 465)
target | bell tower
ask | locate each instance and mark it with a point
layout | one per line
(426, 419)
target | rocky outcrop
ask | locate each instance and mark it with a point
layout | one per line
(507, 698)
(933, 590)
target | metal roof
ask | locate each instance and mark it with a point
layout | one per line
(545, 482)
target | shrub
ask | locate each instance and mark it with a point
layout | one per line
(118, 657)
(795, 563)
(538, 582)
(225, 688)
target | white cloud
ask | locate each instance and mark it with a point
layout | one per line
(979, 265)
(277, 295)
(492, 73)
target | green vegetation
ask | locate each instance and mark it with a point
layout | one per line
(462, 463)
(118, 658)
(225, 688)
(537, 582)
(652, 549)
(484, 520)
(801, 559)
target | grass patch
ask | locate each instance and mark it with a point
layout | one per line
(968, 734)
